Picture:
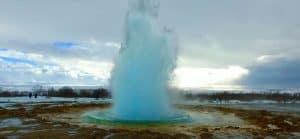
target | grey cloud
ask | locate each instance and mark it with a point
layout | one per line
(236, 26)
(64, 20)
(278, 73)
(212, 33)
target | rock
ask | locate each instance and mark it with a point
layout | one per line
(217, 128)
(204, 130)
(288, 122)
(297, 134)
(206, 136)
(233, 127)
(273, 127)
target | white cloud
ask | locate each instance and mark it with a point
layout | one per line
(72, 68)
(264, 58)
(20, 73)
(78, 67)
(21, 55)
(113, 44)
(189, 77)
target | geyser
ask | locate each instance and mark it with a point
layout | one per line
(141, 74)
(142, 70)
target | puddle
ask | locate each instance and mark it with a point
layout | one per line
(29, 120)
(25, 131)
(57, 125)
(13, 137)
(29, 126)
(11, 122)
(6, 132)
(72, 132)
(214, 119)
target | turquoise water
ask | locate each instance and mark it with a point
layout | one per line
(184, 117)
(141, 74)
(106, 117)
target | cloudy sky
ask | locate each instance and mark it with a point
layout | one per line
(223, 43)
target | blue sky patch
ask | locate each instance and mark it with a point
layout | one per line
(3, 49)
(64, 44)
(18, 60)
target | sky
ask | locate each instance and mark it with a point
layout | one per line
(222, 43)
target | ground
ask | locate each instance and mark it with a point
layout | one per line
(64, 120)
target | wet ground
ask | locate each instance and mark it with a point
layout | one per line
(64, 120)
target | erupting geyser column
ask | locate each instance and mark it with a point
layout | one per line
(141, 74)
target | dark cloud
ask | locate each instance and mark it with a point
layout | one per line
(278, 73)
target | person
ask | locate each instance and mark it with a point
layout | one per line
(30, 95)
(35, 95)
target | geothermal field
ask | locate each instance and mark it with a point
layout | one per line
(139, 100)
(57, 117)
